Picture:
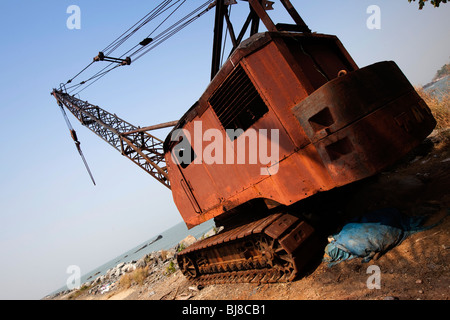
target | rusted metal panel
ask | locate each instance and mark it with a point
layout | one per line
(354, 121)
(336, 135)
(265, 222)
(294, 239)
(281, 93)
(299, 176)
(346, 99)
(376, 141)
(279, 226)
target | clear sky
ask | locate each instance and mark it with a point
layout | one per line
(51, 216)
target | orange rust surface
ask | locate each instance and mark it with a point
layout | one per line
(342, 130)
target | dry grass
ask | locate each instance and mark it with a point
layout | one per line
(137, 277)
(440, 107)
(78, 293)
(163, 255)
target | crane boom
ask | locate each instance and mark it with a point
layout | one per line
(136, 144)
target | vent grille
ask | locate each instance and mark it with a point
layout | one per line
(237, 103)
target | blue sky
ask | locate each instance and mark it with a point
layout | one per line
(51, 216)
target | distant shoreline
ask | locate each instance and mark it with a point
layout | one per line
(429, 84)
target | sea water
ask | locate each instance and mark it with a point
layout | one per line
(170, 238)
(439, 88)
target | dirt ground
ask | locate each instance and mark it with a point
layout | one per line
(418, 268)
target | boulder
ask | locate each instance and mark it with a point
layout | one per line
(128, 268)
(213, 232)
(170, 254)
(117, 273)
(141, 263)
(186, 242)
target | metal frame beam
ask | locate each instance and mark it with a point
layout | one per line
(132, 142)
(257, 13)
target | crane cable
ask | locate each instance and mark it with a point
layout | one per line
(102, 73)
(163, 7)
(75, 139)
(127, 34)
(174, 28)
(157, 40)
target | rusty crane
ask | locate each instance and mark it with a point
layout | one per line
(336, 124)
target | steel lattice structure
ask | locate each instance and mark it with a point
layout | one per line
(139, 146)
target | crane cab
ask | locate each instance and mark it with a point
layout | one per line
(287, 116)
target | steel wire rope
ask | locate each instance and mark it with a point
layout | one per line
(225, 38)
(170, 31)
(148, 19)
(154, 12)
(73, 78)
(137, 45)
(160, 38)
(99, 73)
(99, 76)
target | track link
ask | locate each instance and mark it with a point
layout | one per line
(272, 249)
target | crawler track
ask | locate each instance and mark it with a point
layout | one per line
(266, 250)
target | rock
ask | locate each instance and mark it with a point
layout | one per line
(390, 298)
(170, 254)
(157, 256)
(117, 273)
(196, 288)
(418, 281)
(152, 258)
(410, 182)
(185, 296)
(415, 159)
(128, 268)
(141, 263)
(210, 233)
(213, 232)
(189, 240)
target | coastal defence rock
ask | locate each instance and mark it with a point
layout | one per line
(158, 263)
(188, 241)
(141, 263)
(128, 267)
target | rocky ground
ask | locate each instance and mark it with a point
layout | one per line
(418, 268)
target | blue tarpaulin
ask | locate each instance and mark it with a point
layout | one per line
(377, 231)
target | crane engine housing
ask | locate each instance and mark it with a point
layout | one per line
(288, 116)
(302, 94)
